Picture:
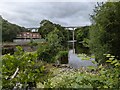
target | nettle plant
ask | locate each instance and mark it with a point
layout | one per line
(112, 72)
(21, 70)
(107, 76)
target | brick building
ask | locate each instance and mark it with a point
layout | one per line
(28, 35)
(25, 37)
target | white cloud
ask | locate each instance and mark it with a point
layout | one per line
(57, 0)
(29, 14)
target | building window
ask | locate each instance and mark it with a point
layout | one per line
(24, 34)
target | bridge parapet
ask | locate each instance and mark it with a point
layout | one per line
(33, 29)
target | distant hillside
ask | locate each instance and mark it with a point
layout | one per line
(9, 31)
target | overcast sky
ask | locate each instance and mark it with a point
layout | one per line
(29, 14)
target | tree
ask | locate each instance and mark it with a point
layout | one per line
(82, 33)
(53, 38)
(47, 27)
(10, 31)
(104, 32)
(48, 51)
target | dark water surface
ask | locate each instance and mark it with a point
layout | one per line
(76, 61)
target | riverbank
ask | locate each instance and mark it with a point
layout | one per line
(62, 73)
(77, 61)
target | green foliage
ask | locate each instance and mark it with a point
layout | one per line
(54, 38)
(82, 37)
(82, 33)
(104, 32)
(10, 31)
(62, 56)
(84, 56)
(80, 48)
(32, 43)
(7, 50)
(102, 77)
(47, 52)
(63, 53)
(45, 27)
(48, 28)
(86, 42)
(112, 60)
(29, 70)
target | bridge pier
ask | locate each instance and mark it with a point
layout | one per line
(73, 37)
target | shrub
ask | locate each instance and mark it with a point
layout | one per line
(47, 52)
(44, 53)
(21, 70)
(62, 56)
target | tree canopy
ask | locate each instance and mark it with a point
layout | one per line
(82, 33)
(10, 31)
(46, 27)
(104, 33)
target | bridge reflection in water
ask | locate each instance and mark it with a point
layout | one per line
(77, 62)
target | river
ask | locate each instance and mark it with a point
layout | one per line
(76, 62)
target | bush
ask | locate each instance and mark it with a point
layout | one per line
(53, 45)
(7, 50)
(44, 53)
(21, 70)
(62, 56)
(47, 53)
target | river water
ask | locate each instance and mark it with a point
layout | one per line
(76, 62)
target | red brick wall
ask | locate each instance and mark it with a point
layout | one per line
(29, 35)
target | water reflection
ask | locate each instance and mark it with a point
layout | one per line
(77, 62)
(79, 48)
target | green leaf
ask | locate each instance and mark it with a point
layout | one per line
(113, 62)
(108, 55)
(111, 58)
(105, 86)
(94, 62)
(91, 67)
(117, 64)
(109, 61)
(100, 66)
